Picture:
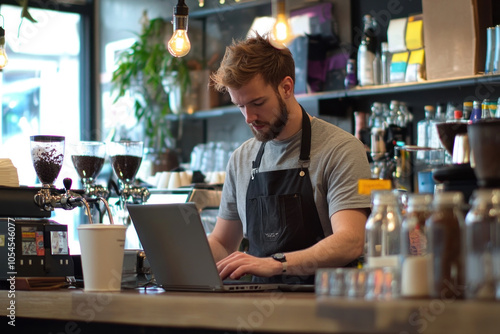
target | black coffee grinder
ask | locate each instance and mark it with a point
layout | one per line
(34, 246)
(459, 175)
(484, 139)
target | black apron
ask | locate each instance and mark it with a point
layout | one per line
(280, 210)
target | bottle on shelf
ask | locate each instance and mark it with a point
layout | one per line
(385, 59)
(494, 109)
(458, 116)
(476, 111)
(350, 76)
(377, 69)
(366, 52)
(440, 117)
(485, 109)
(467, 110)
(424, 127)
(408, 122)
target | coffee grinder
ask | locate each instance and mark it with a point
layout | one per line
(34, 246)
(459, 175)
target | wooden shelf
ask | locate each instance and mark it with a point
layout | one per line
(360, 92)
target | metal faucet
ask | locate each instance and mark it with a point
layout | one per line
(49, 198)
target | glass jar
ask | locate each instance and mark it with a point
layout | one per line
(444, 245)
(383, 229)
(482, 225)
(414, 258)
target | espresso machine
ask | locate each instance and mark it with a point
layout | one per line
(33, 245)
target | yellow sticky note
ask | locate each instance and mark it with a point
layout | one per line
(414, 34)
(366, 186)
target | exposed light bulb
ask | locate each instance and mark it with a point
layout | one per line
(3, 55)
(282, 33)
(179, 45)
(201, 3)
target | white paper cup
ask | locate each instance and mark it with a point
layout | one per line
(102, 252)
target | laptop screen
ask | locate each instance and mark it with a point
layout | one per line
(169, 196)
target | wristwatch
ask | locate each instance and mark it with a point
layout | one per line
(281, 258)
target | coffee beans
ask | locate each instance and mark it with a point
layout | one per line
(126, 166)
(47, 164)
(88, 167)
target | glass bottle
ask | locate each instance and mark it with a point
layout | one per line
(467, 110)
(439, 117)
(386, 61)
(350, 76)
(383, 230)
(482, 224)
(485, 109)
(444, 245)
(377, 69)
(366, 53)
(414, 259)
(476, 111)
(423, 127)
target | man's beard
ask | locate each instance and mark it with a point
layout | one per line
(275, 127)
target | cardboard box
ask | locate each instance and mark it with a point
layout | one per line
(455, 37)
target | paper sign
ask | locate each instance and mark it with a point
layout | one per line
(366, 186)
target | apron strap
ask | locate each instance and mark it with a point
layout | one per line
(305, 145)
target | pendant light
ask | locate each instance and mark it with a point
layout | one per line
(179, 44)
(281, 34)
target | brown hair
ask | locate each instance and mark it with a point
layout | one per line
(245, 59)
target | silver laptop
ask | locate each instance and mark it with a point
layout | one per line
(177, 249)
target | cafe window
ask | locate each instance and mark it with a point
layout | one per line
(41, 85)
(45, 88)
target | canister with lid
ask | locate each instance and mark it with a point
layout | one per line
(414, 257)
(444, 245)
(482, 228)
(383, 228)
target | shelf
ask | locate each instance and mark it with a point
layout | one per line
(359, 92)
(424, 85)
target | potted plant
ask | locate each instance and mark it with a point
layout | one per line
(151, 75)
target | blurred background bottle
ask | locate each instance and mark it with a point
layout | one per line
(445, 246)
(366, 52)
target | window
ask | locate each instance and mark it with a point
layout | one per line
(40, 88)
(44, 89)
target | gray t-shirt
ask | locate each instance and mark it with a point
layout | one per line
(338, 161)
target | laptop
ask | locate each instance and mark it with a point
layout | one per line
(177, 249)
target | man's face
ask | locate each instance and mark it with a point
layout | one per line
(264, 109)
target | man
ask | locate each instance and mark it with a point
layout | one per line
(293, 186)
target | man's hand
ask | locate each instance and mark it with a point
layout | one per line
(239, 264)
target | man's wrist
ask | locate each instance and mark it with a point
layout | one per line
(280, 257)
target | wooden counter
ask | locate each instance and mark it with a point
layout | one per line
(76, 311)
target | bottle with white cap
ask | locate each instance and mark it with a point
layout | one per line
(414, 257)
